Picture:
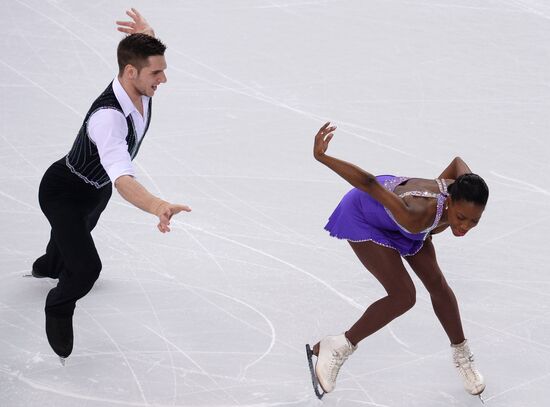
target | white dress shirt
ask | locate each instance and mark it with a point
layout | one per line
(108, 129)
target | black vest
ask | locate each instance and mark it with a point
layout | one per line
(83, 159)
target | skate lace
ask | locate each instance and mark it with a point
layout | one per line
(339, 356)
(464, 361)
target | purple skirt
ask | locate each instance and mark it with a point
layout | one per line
(360, 218)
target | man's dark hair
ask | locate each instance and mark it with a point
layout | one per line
(136, 48)
(469, 188)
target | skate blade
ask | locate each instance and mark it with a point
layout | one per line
(33, 275)
(62, 360)
(314, 380)
(481, 399)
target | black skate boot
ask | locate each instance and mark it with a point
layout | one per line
(59, 331)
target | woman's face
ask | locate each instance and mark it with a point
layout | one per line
(463, 216)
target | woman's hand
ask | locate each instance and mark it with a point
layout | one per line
(139, 25)
(323, 137)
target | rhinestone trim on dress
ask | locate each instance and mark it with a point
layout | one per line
(391, 184)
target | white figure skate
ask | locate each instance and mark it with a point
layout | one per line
(464, 362)
(332, 353)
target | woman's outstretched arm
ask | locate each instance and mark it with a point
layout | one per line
(356, 176)
(455, 169)
(362, 179)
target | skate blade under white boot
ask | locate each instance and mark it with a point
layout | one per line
(314, 381)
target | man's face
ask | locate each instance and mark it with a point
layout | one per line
(151, 76)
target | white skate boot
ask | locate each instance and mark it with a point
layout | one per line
(464, 362)
(333, 352)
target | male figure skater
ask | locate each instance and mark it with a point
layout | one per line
(76, 189)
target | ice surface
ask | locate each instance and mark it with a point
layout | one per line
(217, 312)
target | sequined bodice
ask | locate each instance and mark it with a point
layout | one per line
(392, 183)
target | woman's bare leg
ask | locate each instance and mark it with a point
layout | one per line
(444, 303)
(386, 266)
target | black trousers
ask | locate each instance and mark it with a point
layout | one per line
(73, 208)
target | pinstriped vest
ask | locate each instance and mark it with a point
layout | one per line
(83, 158)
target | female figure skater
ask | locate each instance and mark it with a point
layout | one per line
(385, 218)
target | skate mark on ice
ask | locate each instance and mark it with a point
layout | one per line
(513, 388)
(21, 155)
(140, 256)
(222, 202)
(333, 252)
(168, 153)
(152, 308)
(523, 183)
(258, 95)
(211, 255)
(38, 386)
(239, 301)
(55, 22)
(248, 177)
(47, 92)
(2, 193)
(25, 318)
(121, 353)
(194, 289)
(204, 372)
(524, 226)
(396, 338)
(530, 10)
(228, 281)
(292, 266)
(349, 300)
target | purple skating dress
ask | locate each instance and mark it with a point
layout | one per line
(360, 218)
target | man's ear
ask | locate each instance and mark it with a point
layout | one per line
(130, 71)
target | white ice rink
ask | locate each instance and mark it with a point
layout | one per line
(217, 312)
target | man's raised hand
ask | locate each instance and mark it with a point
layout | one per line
(138, 25)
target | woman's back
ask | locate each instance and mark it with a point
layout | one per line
(419, 186)
(426, 195)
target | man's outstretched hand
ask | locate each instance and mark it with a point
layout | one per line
(165, 212)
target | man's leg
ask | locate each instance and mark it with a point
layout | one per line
(81, 264)
(49, 264)
(82, 267)
(76, 260)
(72, 208)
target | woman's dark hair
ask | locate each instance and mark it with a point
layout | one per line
(469, 188)
(134, 50)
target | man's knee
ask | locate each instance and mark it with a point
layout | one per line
(93, 268)
(88, 272)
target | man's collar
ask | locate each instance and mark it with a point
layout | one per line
(123, 98)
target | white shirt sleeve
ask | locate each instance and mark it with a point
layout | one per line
(108, 130)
